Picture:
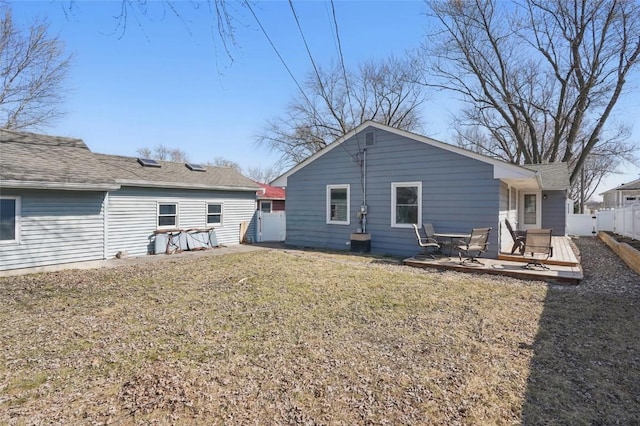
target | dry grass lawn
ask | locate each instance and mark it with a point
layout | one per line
(274, 337)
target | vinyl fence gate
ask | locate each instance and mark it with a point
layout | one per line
(271, 226)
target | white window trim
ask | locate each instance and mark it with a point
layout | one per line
(177, 224)
(206, 213)
(18, 214)
(263, 202)
(395, 185)
(339, 222)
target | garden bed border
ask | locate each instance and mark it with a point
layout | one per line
(628, 254)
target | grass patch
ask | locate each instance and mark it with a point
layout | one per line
(294, 337)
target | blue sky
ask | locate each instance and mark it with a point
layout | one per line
(166, 80)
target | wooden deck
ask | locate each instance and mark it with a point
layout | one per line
(563, 254)
(564, 266)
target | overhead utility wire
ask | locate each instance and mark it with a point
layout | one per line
(344, 69)
(361, 161)
(322, 88)
(311, 105)
(306, 45)
(278, 53)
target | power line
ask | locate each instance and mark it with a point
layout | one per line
(306, 45)
(344, 69)
(311, 105)
(279, 55)
(320, 83)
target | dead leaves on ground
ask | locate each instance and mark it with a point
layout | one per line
(268, 337)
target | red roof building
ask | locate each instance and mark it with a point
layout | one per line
(270, 198)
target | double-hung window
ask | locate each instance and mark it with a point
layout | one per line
(214, 214)
(406, 204)
(338, 199)
(9, 219)
(167, 215)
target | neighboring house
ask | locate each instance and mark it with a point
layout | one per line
(61, 203)
(270, 215)
(622, 196)
(270, 198)
(398, 178)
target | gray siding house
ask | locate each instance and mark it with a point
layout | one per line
(61, 203)
(399, 178)
(622, 196)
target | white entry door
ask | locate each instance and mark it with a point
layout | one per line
(530, 210)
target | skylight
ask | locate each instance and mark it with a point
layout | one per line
(195, 167)
(148, 162)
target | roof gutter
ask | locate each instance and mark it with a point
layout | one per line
(177, 185)
(65, 186)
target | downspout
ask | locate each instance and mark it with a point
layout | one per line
(105, 221)
(363, 210)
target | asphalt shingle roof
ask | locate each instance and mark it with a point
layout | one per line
(553, 175)
(633, 185)
(128, 170)
(29, 157)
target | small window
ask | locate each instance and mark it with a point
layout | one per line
(265, 206)
(214, 214)
(167, 215)
(369, 139)
(9, 219)
(406, 204)
(338, 199)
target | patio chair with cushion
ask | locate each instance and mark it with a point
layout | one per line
(426, 243)
(475, 246)
(517, 236)
(537, 247)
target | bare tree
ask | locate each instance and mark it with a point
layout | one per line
(33, 67)
(337, 100)
(223, 162)
(263, 174)
(144, 152)
(163, 153)
(540, 77)
(225, 15)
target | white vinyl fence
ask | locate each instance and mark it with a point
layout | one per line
(624, 221)
(271, 226)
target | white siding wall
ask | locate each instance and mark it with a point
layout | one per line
(132, 215)
(56, 227)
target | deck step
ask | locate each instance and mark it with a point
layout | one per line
(550, 261)
(563, 254)
(555, 273)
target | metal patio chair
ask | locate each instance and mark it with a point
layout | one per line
(517, 236)
(426, 243)
(537, 248)
(476, 245)
(430, 232)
